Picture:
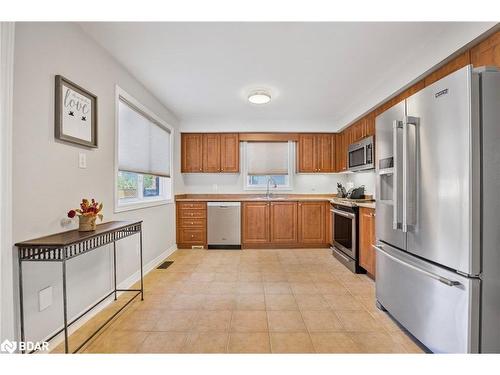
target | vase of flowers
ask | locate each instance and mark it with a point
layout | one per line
(87, 214)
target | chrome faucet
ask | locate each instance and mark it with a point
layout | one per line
(275, 185)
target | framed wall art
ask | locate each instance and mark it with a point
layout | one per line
(75, 113)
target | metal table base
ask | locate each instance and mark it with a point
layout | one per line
(68, 245)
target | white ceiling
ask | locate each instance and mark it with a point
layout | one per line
(321, 75)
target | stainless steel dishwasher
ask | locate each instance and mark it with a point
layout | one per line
(224, 225)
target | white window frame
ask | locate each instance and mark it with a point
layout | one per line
(141, 202)
(291, 168)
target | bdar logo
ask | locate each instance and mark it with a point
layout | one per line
(8, 346)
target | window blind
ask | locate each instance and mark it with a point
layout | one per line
(265, 158)
(143, 145)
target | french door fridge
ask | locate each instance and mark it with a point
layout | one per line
(437, 160)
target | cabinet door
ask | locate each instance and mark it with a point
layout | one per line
(211, 153)
(229, 152)
(255, 223)
(312, 222)
(191, 152)
(367, 239)
(326, 152)
(284, 222)
(307, 155)
(370, 124)
(342, 151)
(357, 131)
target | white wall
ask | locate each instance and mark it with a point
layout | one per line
(363, 178)
(46, 179)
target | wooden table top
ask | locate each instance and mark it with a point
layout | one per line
(74, 236)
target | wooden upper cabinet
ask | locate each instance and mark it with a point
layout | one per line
(370, 125)
(357, 131)
(306, 155)
(255, 223)
(211, 153)
(191, 152)
(229, 152)
(283, 222)
(367, 239)
(316, 153)
(325, 152)
(343, 141)
(312, 222)
(487, 52)
(455, 64)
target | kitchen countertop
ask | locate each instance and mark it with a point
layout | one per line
(251, 197)
(366, 204)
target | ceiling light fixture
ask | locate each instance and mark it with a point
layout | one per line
(259, 97)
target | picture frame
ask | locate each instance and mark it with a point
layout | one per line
(75, 113)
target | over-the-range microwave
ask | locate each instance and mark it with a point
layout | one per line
(360, 155)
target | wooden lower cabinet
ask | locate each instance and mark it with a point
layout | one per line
(276, 224)
(255, 223)
(191, 224)
(367, 239)
(312, 222)
(284, 222)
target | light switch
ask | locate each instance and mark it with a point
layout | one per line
(44, 298)
(82, 160)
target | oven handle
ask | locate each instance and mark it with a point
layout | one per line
(339, 253)
(342, 213)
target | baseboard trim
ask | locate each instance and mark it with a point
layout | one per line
(127, 283)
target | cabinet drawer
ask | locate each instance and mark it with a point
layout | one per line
(192, 223)
(192, 214)
(192, 235)
(192, 205)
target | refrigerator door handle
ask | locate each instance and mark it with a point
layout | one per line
(396, 224)
(441, 279)
(406, 169)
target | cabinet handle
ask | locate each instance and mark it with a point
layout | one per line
(192, 223)
(192, 236)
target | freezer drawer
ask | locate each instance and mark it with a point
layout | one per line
(439, 307)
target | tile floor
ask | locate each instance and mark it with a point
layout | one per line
(250, 301)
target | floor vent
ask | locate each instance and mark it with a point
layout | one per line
(165, 264)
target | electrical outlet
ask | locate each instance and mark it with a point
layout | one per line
(44, 298)
(82, 160)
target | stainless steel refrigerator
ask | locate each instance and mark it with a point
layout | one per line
(438, 212)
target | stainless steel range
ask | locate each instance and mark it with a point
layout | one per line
(345, 232)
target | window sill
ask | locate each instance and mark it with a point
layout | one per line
(140, 205)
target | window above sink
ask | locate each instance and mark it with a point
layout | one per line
(268, 162)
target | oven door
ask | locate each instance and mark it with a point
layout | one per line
(344, 232)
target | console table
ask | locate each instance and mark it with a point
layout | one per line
(64, 246)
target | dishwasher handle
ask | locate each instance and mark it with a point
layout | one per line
(223, 204)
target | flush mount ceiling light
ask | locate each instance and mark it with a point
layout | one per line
(259, 97)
